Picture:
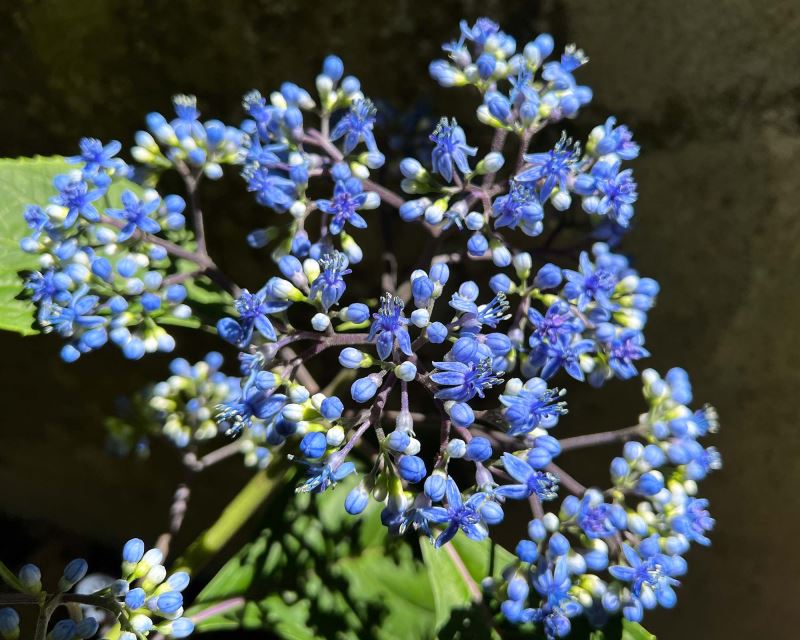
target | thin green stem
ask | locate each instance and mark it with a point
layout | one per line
(9, 578)
(255, 494)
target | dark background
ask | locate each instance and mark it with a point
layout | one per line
(712, 92)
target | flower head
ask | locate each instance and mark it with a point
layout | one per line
(451, 149)
(590, 283)
(521, 208)
(389, 324)
(356, 126)
(458, 515)
(650, 577)
(329, 285)
(75, 196)
(97, 157)
(531, 482)
(533, 407)
(464, 381)
(348, 198)
(551, 168)
(136, 214)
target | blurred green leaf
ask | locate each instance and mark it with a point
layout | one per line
(23, 181)
(635, 631)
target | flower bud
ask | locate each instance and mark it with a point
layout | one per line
(456, 448)
(365, 388)
(313, 445)
(357, 500)
(411, 468)
(73, 573)
(436, 485)
(31, 578)
(320, 322)
(406, 371)
(491, 163)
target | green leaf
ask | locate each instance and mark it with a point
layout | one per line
(206, 298)
(477, 557)
(317, 572)
(458, 614)
(23, 181)
(450, 591)
(635, 631)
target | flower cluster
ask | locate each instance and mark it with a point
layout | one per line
(282, 156)
(183, 409)
(104, 272)
(622, 550)
(539, 93)
(195, 148)
(144, 601)
(474, 371)
(588, 322)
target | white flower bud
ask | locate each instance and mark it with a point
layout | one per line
(456, 448)
(413, 447)
(335, 436)
(551, 522)
(320, 322)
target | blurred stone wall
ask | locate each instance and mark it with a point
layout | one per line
(712, 90)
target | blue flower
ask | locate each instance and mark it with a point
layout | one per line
(37, 220)
(451, 149)
(533, 407)
(589, 284)
(464, 381)
(566, 354)
(617, 140)
(651, 580)
(186, 124)
(356, 125)
(77, 313)
(253, 309)
(136, 215)
(519, 208)
(458, 515)
(523, 90)
(48, 286)
(75, 196)
(695, 521)
(474, 316)
(624, 350)
(261, 154)
(272, 189)
(551, 168)
(330, 285)
(322, 476)
(600, 520)
(481, 31)
(389, 325)
(617, 194)
(560, 72)
(97, 157)
(542, 484)
(553, 583)
(348, 197)
(252, 403)
(266, 118)
(557, 323)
